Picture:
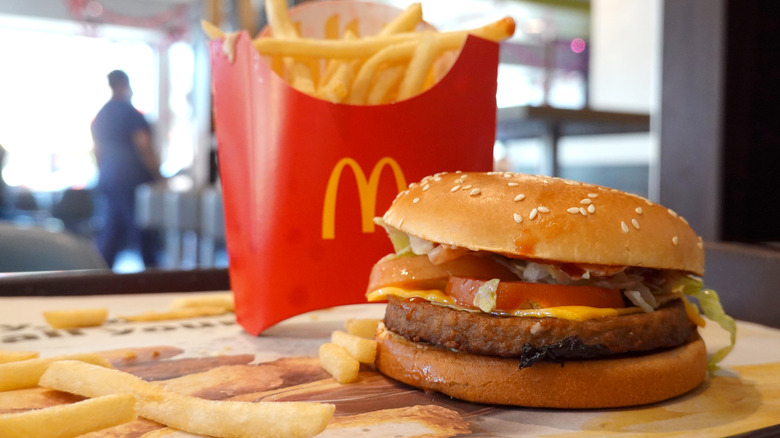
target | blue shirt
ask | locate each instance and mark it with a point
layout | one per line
(119, 162)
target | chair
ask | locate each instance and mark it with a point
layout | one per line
(75, 209)
(26, 249)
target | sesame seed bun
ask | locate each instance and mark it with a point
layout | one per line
(603, 383)
(548, 219)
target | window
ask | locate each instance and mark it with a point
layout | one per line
(52, 84)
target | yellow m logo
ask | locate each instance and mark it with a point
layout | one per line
(367, 189)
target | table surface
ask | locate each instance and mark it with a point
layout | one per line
(743, 397)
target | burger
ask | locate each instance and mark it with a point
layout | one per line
(523, 290)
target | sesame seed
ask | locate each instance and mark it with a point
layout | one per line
(586, 201)
(467, 186)
(456, 188)
(464, 176)
(671, 212)
(475, 192)
(401, 222)
(591, 209)
(573, 210)
(519, 197)
(415, 200)
(533, 214)
(543, 209)
(638, 210)
(426, 187)
(513, 184)
(623, 227)
(437, 178)
(674, 240)
(412, 185)
(635, 223)
(593, 195)
(583, 211)
(684, 221)
(507, 175)
(517, 218)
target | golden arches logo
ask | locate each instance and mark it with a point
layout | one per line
(367, 190)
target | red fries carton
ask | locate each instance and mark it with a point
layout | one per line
(303, 178)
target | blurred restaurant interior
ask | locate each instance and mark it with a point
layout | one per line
(675, 101)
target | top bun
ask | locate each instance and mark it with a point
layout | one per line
(549, 219)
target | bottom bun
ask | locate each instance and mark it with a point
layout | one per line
(602, 383)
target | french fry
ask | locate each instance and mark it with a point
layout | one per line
(15, 356)
(191, 414)
(338, 85)
(405, 21)
(332, 27)
(73, 318)
(211, 31)
(309, 47)
(363, 350)
(390, 54)
(183, 313)
(337, 361)
(422, 60)
(365, 328)
(25, 373)
(69, 420)
(331, 33)
(352, 28)
(279, 19)
(301, 77)
(385, 81)
(158, 433)
(224, 299)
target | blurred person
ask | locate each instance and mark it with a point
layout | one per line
(126, 159)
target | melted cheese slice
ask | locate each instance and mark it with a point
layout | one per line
(573, 313)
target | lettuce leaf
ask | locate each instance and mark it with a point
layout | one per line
(710, 304)
(400, 240)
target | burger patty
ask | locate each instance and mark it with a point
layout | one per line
(534, 339)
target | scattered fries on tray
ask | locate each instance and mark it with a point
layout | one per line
(25, 373)
(186, 312)
(344, 354)
(7, 356)
(191, 414)
(405, 58)
(70, 420)
(194, 306)
(74, 318)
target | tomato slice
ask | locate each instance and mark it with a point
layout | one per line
(419, 273)
(515, 295)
